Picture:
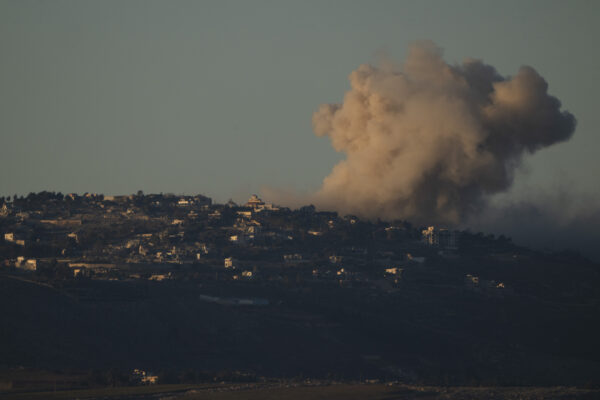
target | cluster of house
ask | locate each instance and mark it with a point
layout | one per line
(162, 230)
(142, 377)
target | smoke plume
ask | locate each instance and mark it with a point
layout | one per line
(429, 141)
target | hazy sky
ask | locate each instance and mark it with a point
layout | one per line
(217, 97)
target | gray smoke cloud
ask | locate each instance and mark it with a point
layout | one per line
(548, 220)
(431, 142)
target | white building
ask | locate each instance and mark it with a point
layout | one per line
(394, 271)
(257, 204)
(254, 202)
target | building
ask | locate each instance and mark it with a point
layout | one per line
(97, 268)
(144, 378)
(80, 272)
(30, 265)
(254, 202)
(159, 277)
(244, 214)
(442, 238)
(239, 239)
(12, 238)
(394, 271)
(231, 262)
(247, 274)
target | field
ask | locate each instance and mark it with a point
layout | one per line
(305, 391)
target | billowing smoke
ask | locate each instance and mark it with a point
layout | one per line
(430, 142)
(551, 220)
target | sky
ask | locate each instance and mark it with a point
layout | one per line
(217, 97)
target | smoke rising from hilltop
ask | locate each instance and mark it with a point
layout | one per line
(430, 142)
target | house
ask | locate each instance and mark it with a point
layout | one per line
(80, 272)
(239, 239)
(231, 262)
(270, 207)
(254, 202)
(394, 271)
(11, 237)
(253, 229)
(159, 277)
(101, 268)
(144, 378)
(30, 265)
(247, 274)
(149, 380)
(27, 265)
(244, 214)
(117, 199)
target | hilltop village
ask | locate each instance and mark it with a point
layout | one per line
(170, 283)
(159, 237)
